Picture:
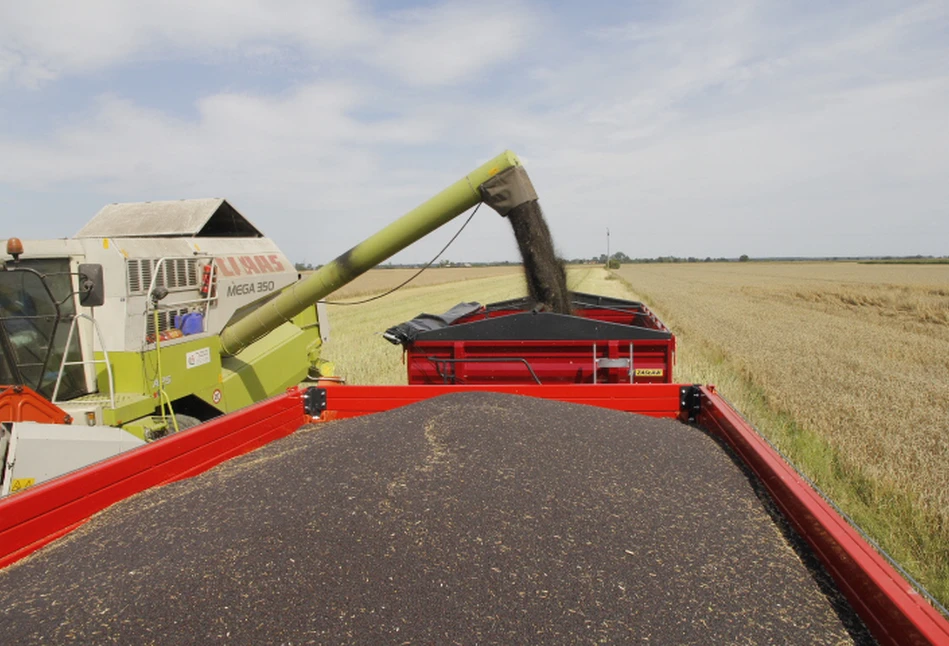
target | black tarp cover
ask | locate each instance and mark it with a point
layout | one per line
(407, 332)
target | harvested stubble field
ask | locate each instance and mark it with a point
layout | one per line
(845, 367)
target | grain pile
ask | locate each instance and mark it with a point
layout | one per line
(474, 518)
(545, 272)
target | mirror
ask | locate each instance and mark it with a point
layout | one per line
(91, 285)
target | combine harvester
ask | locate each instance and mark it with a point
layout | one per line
(166, 315)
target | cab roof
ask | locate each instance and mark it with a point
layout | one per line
(201, 218)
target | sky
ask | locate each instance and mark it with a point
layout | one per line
(685, 128)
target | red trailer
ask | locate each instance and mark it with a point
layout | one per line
(604, 340)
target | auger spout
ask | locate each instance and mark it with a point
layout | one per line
(490, 182)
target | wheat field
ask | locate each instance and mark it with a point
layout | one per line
(858, 353)
(845, 367)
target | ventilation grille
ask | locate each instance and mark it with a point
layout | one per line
(175, 273)
(166, 319)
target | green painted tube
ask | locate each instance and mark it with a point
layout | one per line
(417, 223)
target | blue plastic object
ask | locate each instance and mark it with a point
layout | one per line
(190, 323)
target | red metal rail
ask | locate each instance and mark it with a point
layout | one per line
(655, 400)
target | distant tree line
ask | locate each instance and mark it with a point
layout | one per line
(305, 266)
(614, 262)
(620, 258)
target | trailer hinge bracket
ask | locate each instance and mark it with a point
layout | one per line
(314, 401)
(690, 401)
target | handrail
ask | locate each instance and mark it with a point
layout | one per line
(64, 363)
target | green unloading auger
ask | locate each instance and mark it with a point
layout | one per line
(502, 183)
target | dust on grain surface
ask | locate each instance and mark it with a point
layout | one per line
(471, 518)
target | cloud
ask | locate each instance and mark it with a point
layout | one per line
(71, 38)
(691, 131)
(300, 165)
(234, 136)
(451, 42)
(43, 40)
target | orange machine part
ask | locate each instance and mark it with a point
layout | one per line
(23, 404)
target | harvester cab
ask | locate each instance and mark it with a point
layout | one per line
(113, 334)
(36, 299)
